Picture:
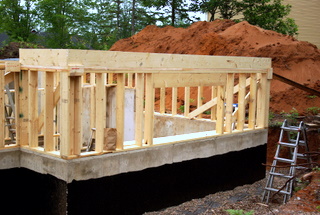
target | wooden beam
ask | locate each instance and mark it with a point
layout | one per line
(149, 110)
(263, 96)
(17, 105)
(213, 108)
(33, 108)
(120, 60)
(139, 108)
(162, 100)
(174, 100)
(120, 98)
(188, 80)
(23, 108)
(295, 84)
(220, 109)
(241, 102)
(100, 111)
(253, 101)
(130, 78)
(186, 101)
(93, 100)
(229, 102)
(48, 112)
(65, 144)
(200, 99)
(77, 114)
(110, 78)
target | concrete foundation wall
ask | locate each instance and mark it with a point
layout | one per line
(133, 192)
(130, 161)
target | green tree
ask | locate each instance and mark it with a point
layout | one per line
(18, 19)
(225, 8)
(269, 14)
(175, 12)
(229, 8)
(63, 22)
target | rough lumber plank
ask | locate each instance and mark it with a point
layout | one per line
(2, 119)
(253, 101)
(65, 144)
(23, 108)
(120, 110)
(186, 101)
(100, 111)
(200, 99)
(33, 108)
(130, 78)
(48, 112)
(92, 100)
(149, 110)
(77, 114)
(295, 84)
(229, 102)
(17, 104)
(188, 80)
(220, 109)
(241, 102)
(12, 66)
(110, 78)
(268, 85)
(174, 100)
(116, 59)
(263, 96)
(162, 100)
(213, 108)
(139, 108)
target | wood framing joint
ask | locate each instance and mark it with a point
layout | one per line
(12, 66)
(76, 70)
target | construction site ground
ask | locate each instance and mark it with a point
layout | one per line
(296, 60)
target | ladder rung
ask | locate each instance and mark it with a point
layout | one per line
(280, 175)
(276, 190)
(8, 105)
(10, 117)
(12, 129)
(301, 156)
(290, 128)
(285, 160)
(292, 145)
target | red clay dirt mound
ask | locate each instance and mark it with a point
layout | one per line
(293, 59)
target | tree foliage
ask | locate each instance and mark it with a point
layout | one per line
(18, 19)
(269, 14)
(97, 24)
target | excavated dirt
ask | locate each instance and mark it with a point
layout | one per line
(293, 59)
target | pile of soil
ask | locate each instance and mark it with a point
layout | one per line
(293, 59)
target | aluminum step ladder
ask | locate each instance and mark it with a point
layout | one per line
(295, 141)
(9, 111)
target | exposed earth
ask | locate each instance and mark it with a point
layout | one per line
(293, 59)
